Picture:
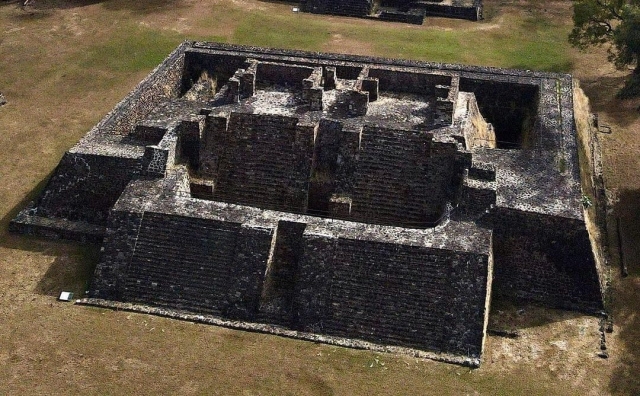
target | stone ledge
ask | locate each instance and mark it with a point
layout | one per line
(55, 228)
(277, 330)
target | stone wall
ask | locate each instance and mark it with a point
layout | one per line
(510, 107)
(184, 263)
(475, 129)
(398, 11)
(544, 258)
(266, 162)
(387, 293)
(79, 189)
(473, 13)
(222, 66)
(356, 8)
(408, 81)
(163, 83)
(416, 17)
(269, 73)
(118, 246)
(403, 178)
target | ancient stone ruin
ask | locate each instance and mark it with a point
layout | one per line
(407, 11)
(361, 201)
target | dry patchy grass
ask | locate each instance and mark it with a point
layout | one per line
(66, 63)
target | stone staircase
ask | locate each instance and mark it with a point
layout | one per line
(388, 294)
(183, 263)
(391, 184)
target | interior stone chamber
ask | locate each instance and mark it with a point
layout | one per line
(355, 199)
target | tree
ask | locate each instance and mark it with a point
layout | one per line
(613, 22)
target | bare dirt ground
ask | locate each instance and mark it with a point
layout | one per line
(57, 85)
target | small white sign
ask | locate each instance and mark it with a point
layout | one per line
(295, 9)
(65, 296)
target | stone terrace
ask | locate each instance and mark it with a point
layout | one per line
(374, 200)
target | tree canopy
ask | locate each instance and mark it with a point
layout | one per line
(615, 22)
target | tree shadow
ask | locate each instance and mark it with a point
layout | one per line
(508, 315)
(625, 293)
(602, 94)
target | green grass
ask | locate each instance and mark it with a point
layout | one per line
(283, 31)
(543, 48)
(534, 43)
(530, 43)
(131, 49)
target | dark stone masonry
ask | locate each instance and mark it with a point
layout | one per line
(405, 11)
(360, 201)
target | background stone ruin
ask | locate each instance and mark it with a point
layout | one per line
(406, 11)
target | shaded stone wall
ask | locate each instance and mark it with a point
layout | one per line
(184, 263)
(476, 131)
(402, 177)
(223, 66)
(408, 81)
(118, 246)
(338, 7)
(266, 162)
(85, 186)
(276, 300)
(511, 108)
(404, 295)
(473, 13)
(163, 83)
(415, 17)
(545, 259)
(398, 11)
(268, 73)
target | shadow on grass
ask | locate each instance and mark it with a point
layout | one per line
(74, 263)
(624, 379)
(627, 210)
(509, 315)
(602, 94)
(626, 296)
(70, 272)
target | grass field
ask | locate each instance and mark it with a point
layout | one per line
(64, 65)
